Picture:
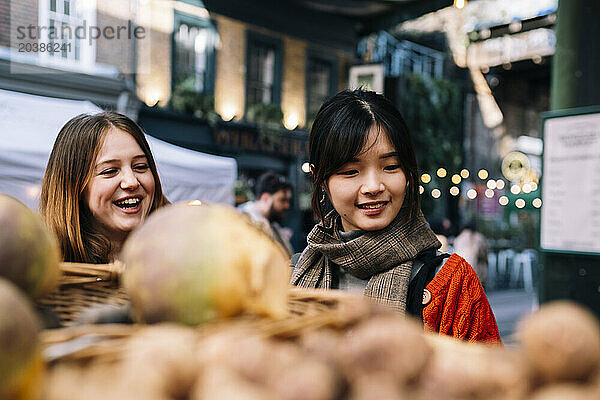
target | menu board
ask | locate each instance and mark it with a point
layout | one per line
(570, 215)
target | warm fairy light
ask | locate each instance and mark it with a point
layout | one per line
(534, 186)
(425, 178)
(436, 193)
(306, 168)
(526, 188)
(515, 189)
(441, 172)
(421, 189)
(464, 173)
(491, 184)
(500, 184)
(194, 203)
(520, 203)
(460, 4)
(503, 200)
(228, 112)
(456, 179)
(454, 191)
(489, 193)
(291, 120)
(471, 193)
(482, 174)
(537, 202)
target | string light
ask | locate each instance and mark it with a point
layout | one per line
(503, 200)
(441, 172)
(515, 189)
(534, 186)
(454, 191)
(500, 184)
(425, 178)
(489, 193)
(491, 184)
(306, 168)
(482, 174)
(471, 193)
(436, 193)
(456, 179)
(526, 188)
(537, 202)
(464, 173)
(421, 189)
(195, 203)
(460, 4)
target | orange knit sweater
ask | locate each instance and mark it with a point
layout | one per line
(458, 305)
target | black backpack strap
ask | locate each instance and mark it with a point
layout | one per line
(429, 261)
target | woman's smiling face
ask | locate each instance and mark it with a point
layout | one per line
(368, 191)
(121, 190)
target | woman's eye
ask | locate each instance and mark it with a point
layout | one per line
(110, 171)
(141, 167)
(391, 167)
(348, 172)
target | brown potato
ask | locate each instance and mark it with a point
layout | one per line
(560, 342)
(385, 344)
(464, 370)
(160, 362)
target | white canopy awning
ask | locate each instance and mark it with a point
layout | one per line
(29, 125)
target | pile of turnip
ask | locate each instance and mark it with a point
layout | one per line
(378, 355)
(198, 275)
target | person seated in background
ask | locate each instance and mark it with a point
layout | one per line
(100, 183)
(376, 240)
(472, 246)
(273, 197)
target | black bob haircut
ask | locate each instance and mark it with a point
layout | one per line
(339, 134)
(271, 182)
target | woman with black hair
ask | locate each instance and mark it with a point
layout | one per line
(373, 237)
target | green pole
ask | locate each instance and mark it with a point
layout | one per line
(576, 61)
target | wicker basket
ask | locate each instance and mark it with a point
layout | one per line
(308, 310)
(82, 286)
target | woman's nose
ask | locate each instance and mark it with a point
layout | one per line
(129, 180)
(372, 185)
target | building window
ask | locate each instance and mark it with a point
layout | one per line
(320, 83)
(263, 72)
(194, 42)
(61, 18)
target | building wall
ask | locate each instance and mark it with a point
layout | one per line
(13, 14)
(116, 52)
(293, 95)
(230, 80)
(154, 52)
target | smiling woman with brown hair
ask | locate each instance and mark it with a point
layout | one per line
(100, 183)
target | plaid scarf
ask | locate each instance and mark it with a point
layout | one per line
(384, 257)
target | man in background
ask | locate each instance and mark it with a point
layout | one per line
(273, 196)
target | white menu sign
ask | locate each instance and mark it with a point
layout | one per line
(570, 216)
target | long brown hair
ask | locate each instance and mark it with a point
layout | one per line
(69, 170)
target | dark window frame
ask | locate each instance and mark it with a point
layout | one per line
(312, 56)
(254, 38)
(190, 20)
